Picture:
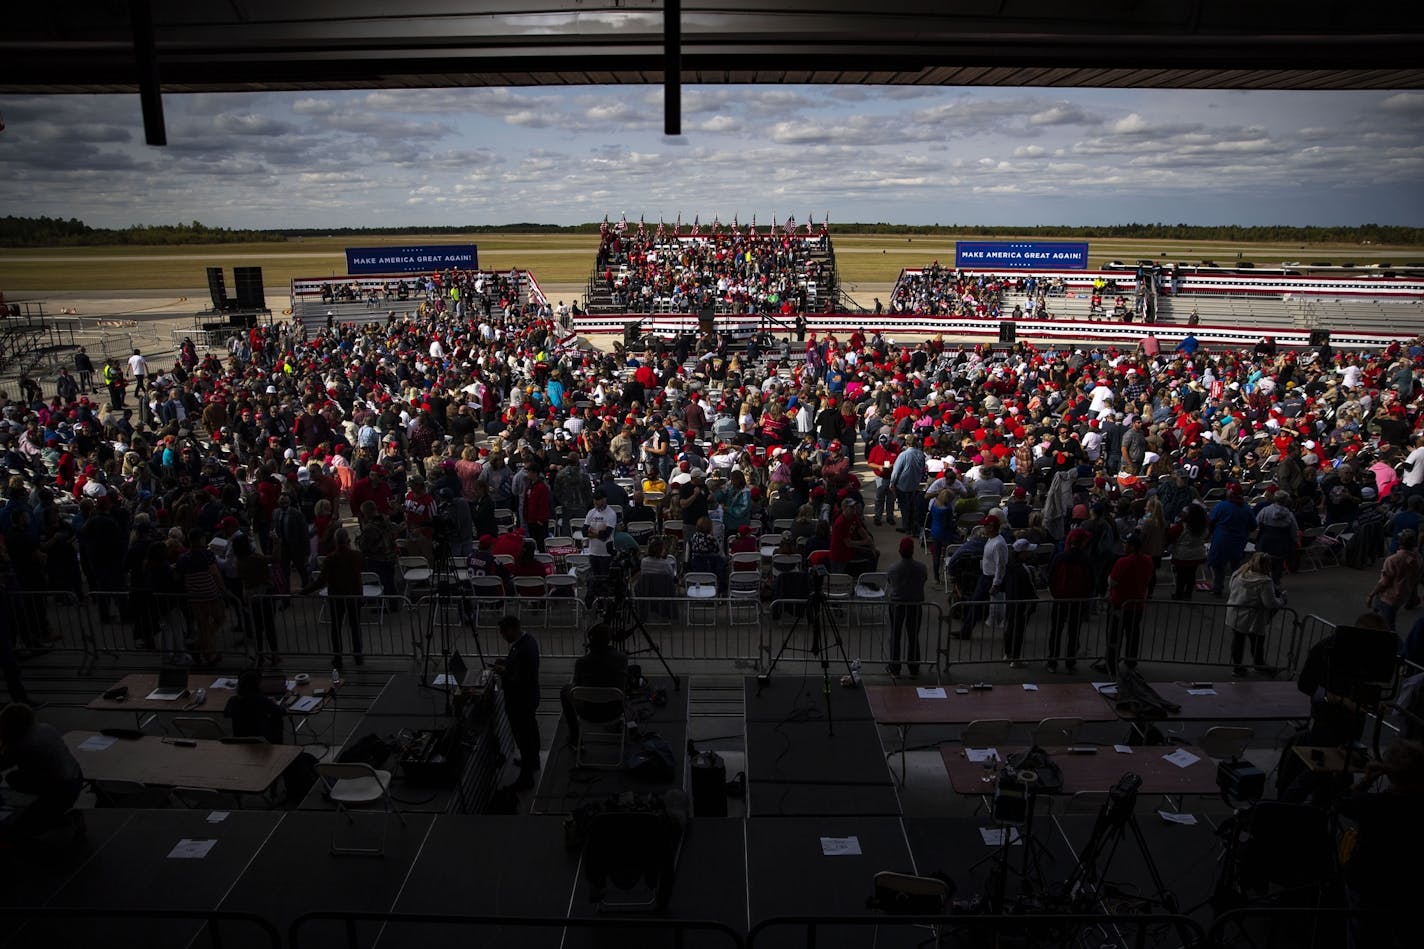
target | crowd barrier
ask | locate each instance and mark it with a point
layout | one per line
(746, 632)
(1170, 631)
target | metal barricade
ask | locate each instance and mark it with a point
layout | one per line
(390, 626)
(504, 930)
(52, 620)
(1310, 629)
(1196, 633)
(1033, 622)
(867, 630)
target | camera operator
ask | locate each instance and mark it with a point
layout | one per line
(1388, 840)
(602, 665)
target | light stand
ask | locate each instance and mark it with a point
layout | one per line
(1014, 802)
(822, 619)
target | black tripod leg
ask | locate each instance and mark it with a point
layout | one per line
(1168, 899)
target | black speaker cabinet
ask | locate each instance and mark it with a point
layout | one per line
(250, 295)
(217, 289)
(1319, 337)
(1007, 332)
(631, 332)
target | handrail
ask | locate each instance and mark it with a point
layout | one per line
(351, 918)
(1190, 931)
(212, 917)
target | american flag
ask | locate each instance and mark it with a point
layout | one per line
(696, 225)
(790, 224)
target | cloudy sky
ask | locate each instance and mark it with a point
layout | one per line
(568, 155)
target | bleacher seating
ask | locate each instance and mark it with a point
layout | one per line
(731, 272)
(310, 307)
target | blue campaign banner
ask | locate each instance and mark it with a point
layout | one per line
(1021, 255)
(421, 258)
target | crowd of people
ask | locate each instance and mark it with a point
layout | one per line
(313, 459)
(736, 270)
(936, 290)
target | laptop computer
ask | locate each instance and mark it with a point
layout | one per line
(273, 683)
(172, 684)
(461, 673)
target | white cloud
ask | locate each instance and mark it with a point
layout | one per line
(565, 155)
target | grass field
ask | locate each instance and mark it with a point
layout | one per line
(568, 258)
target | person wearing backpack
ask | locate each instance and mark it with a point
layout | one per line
(1104, 546)
(1070, 581)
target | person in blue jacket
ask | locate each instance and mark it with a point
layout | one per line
(1231, 524)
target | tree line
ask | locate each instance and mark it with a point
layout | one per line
(57, 232)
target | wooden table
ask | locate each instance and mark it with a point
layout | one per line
(1243, 701)
(236, 768)
(1331, 760)
(140, 684)
(1097, 772)
(902, 706)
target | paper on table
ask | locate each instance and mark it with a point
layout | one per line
(305, 704)
(980, 755)
(1030, 687)
(97, 743)
(1173, 818)
(443, 679)
(932, 693)
(994, 836)
(1106, 688)
(1201, 691)
(224, 682)
(217, 817)
(1123, 749)
(191, 849)
(291, 684)
(840, 846)
(1182, 758)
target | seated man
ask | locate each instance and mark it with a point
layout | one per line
(43, 767)
(253, 714)
(604, 666)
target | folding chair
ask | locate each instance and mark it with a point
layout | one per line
(599, 711)
(199, 726)
(631, 848)
(1056, 732)
(352, 784)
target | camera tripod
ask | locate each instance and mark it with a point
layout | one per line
(822, 621)
(447, 608)
(1088, 881)
(1013, 800)
(623, 621)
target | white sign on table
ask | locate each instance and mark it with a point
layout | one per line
(840, 846)
(932, 692)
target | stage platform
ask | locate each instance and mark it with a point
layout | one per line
(736, 872)
(563, 785)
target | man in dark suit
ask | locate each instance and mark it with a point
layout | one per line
(520, 672)
(604, 666)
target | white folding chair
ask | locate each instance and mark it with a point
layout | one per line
(355, 784)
